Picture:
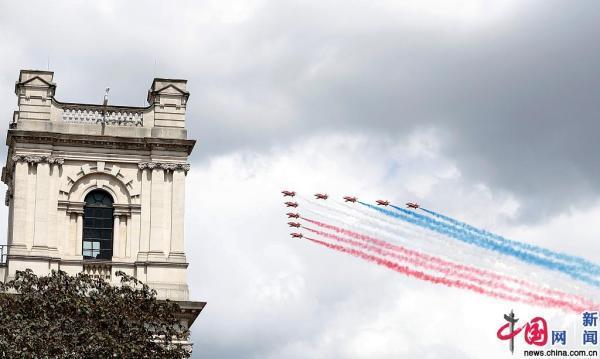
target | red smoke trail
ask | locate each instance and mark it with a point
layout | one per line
(466, 272)
(430, 278)
(410, 272)
(415, 260)
(536, 299)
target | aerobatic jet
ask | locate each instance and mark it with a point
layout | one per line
(288, 193)
(293, 215)
(291, 204)
(294, 224)
(382, 202)
(350, 199)
(296, 235)
(412, 205)
(321, 195)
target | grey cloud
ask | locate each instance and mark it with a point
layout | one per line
(516, 99)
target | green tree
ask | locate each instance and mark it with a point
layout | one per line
(63, 316)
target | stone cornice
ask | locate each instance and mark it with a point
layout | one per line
(38, 159)
(71, 206)
(168, 166)
(99, 141)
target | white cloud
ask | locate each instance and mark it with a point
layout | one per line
(270, 296)
(323, 96)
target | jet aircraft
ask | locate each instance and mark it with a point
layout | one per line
(321, 195)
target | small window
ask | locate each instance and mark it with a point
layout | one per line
(98, 226)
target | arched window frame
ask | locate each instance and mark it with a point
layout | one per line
(98, 230)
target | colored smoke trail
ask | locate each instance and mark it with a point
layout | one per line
(419, 274)
(495, 281)
(411, 258)
(381, 225)
(517, 247)
(407, 271)
(398, 230)
(578, 261)
(427, 222)
(378, 225)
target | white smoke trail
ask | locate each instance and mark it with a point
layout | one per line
(361, 219)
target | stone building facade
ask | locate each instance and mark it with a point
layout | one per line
(99, 188)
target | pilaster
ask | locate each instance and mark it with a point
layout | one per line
(144, 226)
(177, 251)
(40, 224)
(18, 243)
(75, 211)
(156, 214)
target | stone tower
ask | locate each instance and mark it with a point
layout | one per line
(99, 188)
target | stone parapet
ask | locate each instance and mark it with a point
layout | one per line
(39, 110)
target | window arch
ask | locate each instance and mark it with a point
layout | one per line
(98, 225)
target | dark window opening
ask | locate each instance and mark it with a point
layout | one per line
(98, 226)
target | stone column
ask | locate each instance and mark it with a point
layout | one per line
(75, 237)
(11, 208)
(156, 214)
(55, 218)
(20, 196)
(116, 245)
(30, 200)
(79, 233)
(144, 215)
(128, 248)
(123, 235)
(40, 227)
(177, 251)
(133, 228)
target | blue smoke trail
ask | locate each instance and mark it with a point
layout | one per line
(434, 225)
(580, 262)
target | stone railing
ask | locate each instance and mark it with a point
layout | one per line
(110, 116)
(98, 270)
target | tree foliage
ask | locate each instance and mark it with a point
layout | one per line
(63, 316)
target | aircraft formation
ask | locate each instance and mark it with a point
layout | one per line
(324, 197)
(366, 230)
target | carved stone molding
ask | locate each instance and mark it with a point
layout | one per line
(38, 159)
(97, 141)
(167, 166)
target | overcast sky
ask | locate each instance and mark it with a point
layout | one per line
(487, 111)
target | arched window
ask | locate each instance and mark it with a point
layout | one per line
(98, 226)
